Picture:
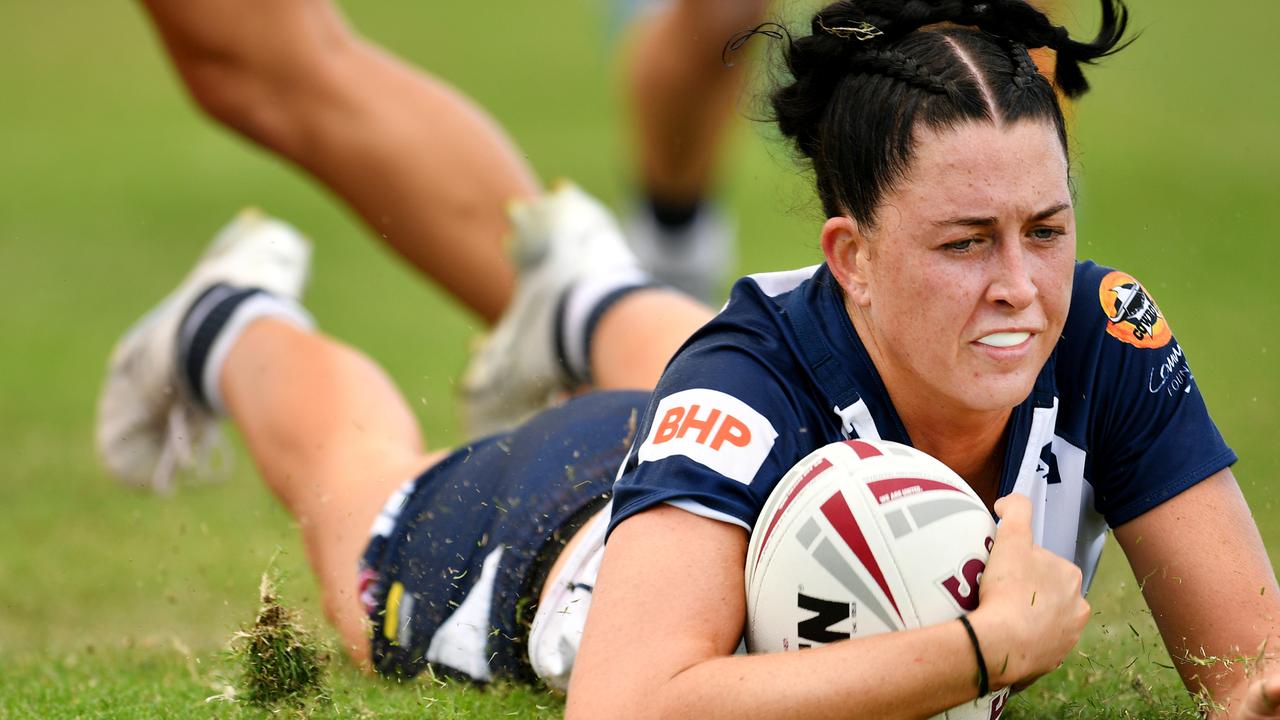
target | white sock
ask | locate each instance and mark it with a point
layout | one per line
(213, 324)
(581, 308)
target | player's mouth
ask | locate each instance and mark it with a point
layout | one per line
(1004, 339)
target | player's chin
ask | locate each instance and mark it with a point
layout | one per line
(1008, 373)
(991, 391)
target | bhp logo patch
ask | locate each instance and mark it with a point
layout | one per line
(679, 422)
(711, 428)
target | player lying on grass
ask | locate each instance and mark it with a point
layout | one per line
(950, 313)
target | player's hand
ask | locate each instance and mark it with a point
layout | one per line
(1261, 701)
(1030, 611)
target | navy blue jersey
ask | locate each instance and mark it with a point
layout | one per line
(1114, 426)
(456, 560)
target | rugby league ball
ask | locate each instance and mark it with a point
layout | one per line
(865, 537)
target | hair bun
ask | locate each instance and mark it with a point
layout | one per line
(890, 19)
(868, 75)
(852, 26)
(917, 13)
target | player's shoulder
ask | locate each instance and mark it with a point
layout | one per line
(1116, 341)
(738, 390)
(749, 341)
(1112, 309)
(778, 283)
(756, 302)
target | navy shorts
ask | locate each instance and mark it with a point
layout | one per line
(455, 563)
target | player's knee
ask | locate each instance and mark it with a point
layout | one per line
(226, 92)
(261, 104)
(262, 92)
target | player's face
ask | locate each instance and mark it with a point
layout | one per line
(969, 270)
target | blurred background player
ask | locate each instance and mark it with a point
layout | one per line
(296, 102)
(682, 99)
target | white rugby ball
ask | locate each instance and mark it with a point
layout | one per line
(864, 537)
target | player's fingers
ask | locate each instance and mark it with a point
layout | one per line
(1269, 695)
(1014, 512)
(1263, 699)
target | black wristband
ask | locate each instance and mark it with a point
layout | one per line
(984, 682)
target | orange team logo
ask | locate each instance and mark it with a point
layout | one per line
(1132, 314)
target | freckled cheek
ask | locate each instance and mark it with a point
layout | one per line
(931, 303)
(1054, 288)
(927, 306)
(1060, 299)
(953, 302)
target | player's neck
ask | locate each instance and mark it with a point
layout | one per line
(974, 449)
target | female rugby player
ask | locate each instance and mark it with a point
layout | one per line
(949, 313)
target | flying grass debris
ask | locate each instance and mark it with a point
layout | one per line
(280, 661)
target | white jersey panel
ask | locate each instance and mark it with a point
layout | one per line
(774, 284)
(461, 640)
(856, 422)
(556, 631)
(1030, 482)
(1064, 520)
(697, 508)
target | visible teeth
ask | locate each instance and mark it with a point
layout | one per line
(1004, 339)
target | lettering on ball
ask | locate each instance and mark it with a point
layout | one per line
(963, 586)
(819, 629)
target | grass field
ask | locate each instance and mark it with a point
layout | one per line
(114, 604)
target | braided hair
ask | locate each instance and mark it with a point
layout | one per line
(871, 71)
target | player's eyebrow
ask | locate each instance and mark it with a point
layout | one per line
(989, 221)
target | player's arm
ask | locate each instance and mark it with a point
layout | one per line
(425, 168)
(1206, 577)
(668, 613)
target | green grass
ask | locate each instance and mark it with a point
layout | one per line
(115, 604)
(160, 681)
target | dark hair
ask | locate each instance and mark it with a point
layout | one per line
(874, 70)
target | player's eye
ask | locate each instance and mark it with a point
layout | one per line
(1046, 233)
(961, 245)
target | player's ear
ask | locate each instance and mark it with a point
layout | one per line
(848, 255)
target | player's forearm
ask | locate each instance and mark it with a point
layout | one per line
(1216, 601)
(1224, 703)
(907, 674)
(1232, 685)
(1254, 698)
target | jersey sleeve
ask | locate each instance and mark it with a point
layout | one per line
(724, 425)
(1151, 431)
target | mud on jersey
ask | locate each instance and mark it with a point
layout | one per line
(1114, 425)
